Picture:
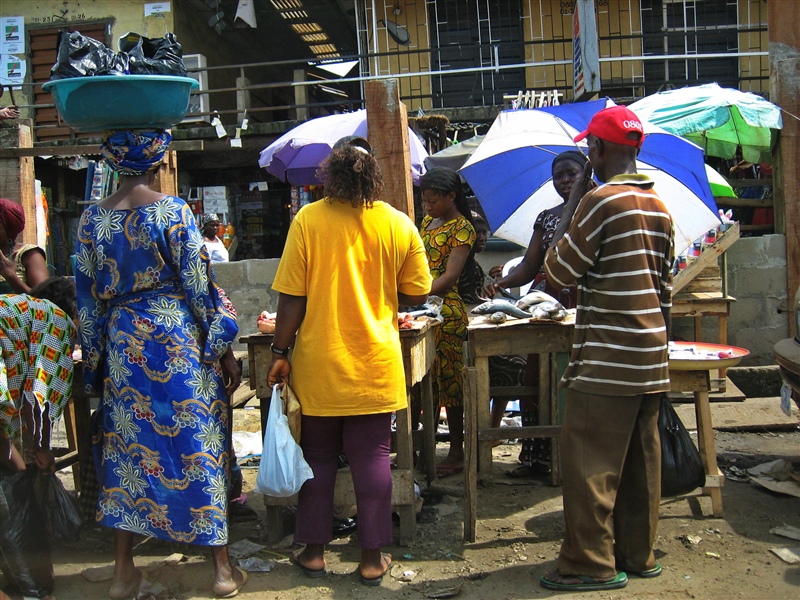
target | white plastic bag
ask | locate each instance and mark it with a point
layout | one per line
(283, 470)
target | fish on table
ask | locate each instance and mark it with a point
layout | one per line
(503, 306)
(553, 311)
(533, 298)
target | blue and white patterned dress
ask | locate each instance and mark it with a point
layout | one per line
(153, 326)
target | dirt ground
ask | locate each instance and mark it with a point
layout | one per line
(520, 526)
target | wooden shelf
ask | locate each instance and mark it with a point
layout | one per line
(708, 258)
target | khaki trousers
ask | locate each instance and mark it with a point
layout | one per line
(611, 467)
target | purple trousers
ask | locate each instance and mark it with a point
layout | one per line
(365, 439)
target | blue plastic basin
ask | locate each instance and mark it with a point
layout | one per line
(109, 102)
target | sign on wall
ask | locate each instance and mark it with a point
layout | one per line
(585, 52)
(12, 35)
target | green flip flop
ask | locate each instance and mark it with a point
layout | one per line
(585, 584)
(647, 574)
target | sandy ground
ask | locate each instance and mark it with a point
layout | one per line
(519, 533)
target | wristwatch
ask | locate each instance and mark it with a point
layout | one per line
(279, 351)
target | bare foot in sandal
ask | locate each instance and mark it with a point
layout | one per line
(228, 587)
(126, 585)
(374, 565)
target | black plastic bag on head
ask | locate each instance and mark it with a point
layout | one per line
(153, 56)
(681, 465)
(24, 546)
(81, 56)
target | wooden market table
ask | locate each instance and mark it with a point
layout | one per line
(419, 352)
(515, 336)
(547, 339)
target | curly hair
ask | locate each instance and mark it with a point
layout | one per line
(350, 174)
(60, 291)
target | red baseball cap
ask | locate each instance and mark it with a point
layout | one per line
(614, 124)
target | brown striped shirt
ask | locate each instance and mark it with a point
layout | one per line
(619, 249)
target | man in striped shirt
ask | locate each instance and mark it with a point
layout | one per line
(618, 247)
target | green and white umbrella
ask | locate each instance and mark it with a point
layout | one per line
(717, 119)
(720, 188)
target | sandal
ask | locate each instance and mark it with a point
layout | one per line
(312, 573)
(376, 581)
(582, 583)
(447, 471)
(235, 592)
(646, 574)
(528, 471)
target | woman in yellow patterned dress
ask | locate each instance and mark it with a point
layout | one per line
(448, 235)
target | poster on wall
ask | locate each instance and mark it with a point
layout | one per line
(12, 35)
(12, 70)
(156, 8)
(585, 52)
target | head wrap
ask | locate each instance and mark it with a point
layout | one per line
(573, 155)
(207, 218)
(478, 222)
(12, 216)
(441, 179)
(130, 153)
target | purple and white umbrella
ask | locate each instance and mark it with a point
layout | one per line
(510, 171)
(297, 154)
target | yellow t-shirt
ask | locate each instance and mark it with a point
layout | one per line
(350, 263)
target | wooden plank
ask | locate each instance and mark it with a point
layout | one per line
(704, 284)
(82, 149)
(745, 202)
(729, 393)
(471, 444)
(17, 176)
(387, 121)
(784, 75)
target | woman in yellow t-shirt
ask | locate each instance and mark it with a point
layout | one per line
(349, 261)
(448, 235)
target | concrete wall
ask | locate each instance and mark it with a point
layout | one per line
(760, 316)
(756, 278)
(248, 283)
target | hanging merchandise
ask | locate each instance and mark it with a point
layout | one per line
(227, 235)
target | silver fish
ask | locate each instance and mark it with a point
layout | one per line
(538, 313)
(548, 310)
(496, 317)
(533, 298)
(550, 307)
(493, 306)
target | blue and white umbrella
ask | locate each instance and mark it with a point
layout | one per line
(510, 171)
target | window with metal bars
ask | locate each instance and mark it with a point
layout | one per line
(685, 29)
(475, 33)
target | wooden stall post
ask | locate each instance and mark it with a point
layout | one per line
(387, 121)
(166, 180)
(784, 58)
(17, 176)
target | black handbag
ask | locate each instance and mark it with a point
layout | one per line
(681, 465)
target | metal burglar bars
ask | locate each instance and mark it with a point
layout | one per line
(470, 53)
